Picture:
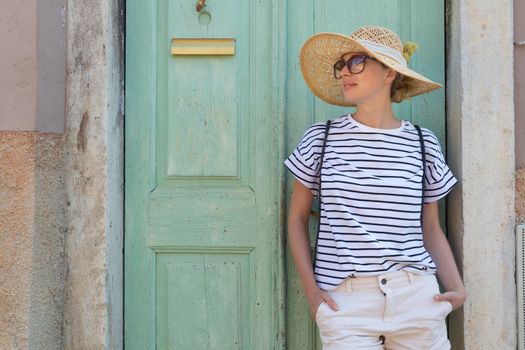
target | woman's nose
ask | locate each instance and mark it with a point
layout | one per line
(345, 70)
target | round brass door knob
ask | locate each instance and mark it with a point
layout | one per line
(200, 5)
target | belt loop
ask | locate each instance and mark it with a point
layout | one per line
(410, 276)
(349, 284)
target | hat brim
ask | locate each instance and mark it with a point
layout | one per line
(321, 51)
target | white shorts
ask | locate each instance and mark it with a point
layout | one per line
(391, 311)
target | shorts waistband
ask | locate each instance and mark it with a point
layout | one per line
(394, 279)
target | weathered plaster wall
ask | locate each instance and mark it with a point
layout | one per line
(32, 65)
(48, 272)
(94, 180)
(16, 204)
(51, 65)
(18, 23)
(32, 269)
(31, 240)
(480, 117)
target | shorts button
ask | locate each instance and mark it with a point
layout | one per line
(383, 281)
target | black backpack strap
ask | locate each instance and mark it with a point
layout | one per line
(326, 131)
(424, 160)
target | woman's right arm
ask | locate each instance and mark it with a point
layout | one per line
(298, 239)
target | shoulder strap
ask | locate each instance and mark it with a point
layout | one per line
(424, 160)
(326, 131)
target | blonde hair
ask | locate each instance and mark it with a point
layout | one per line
(401, 87)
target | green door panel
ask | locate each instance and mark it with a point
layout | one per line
(204, 124)
(421, 21)
(212, 309)
(203, 251)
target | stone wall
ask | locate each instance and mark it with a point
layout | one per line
(480, 125)
(94, 175)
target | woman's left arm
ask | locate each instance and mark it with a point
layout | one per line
(438, 247)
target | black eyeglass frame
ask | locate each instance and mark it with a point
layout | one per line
(350, 64)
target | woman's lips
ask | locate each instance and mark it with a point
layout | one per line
(348, 85)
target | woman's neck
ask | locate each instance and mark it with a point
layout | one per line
(377, 116)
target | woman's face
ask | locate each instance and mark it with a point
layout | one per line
(372, 83)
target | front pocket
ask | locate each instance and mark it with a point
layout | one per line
(449, 306)
(318, 310)
(445, 307)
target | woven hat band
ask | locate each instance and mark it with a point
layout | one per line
(384, 50)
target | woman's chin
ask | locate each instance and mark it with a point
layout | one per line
(351, 99)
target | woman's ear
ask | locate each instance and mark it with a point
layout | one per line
(391, 75)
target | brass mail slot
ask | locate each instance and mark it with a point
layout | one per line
(203, 47)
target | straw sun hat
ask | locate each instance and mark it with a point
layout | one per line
(321, 51)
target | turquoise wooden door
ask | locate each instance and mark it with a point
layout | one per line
(421, 21)
(204, 139)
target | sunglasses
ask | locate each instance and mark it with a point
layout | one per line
(355, 64)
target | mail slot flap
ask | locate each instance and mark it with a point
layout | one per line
(202, 47)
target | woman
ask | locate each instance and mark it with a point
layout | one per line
(380, 243)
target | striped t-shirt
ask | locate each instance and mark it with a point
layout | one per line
(371, 197)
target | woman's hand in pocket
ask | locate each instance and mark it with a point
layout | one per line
(455, 298)
(316, 298)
